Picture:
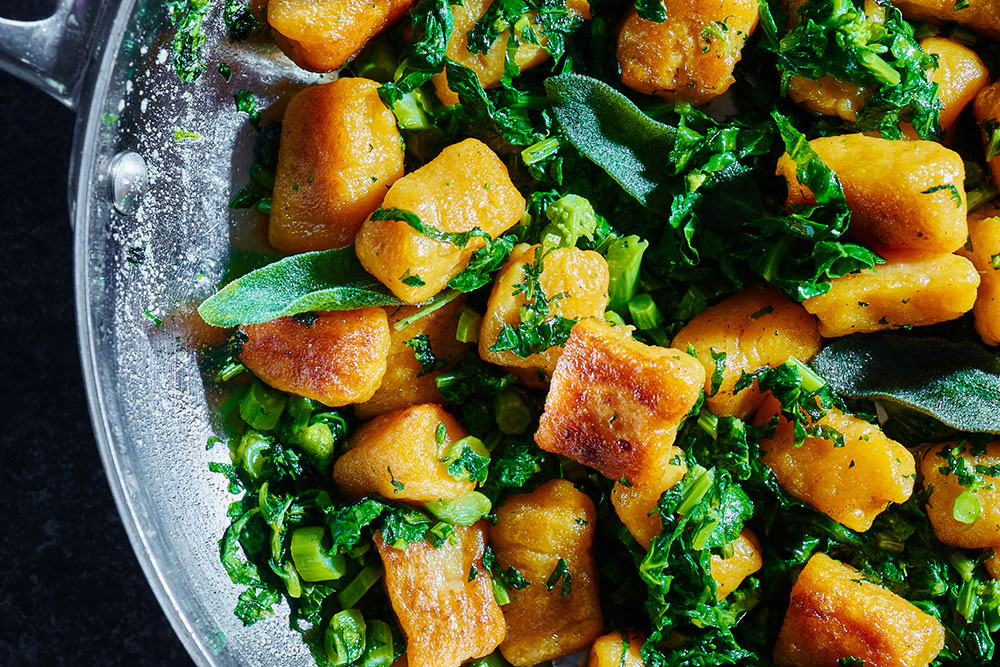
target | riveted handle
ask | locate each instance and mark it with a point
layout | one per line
(53, 53)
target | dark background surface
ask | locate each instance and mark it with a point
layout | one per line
(71, 590)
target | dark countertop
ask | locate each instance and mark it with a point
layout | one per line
(71, 590)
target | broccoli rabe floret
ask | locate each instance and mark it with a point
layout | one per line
(570, 217)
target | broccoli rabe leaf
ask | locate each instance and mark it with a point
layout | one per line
(804, 397)
(483, 264)
(421, 346)
(838, 39)
(187, 17)
(425, 52)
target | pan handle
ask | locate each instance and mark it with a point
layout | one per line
(53, 53)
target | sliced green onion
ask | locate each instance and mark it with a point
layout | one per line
(968, 599)
(410, 114)
(810, 381)
(709, 423)
(492, 660)
(614, 318)
(964, 565)
(263, 205)
(512, 414)
(345, 637)
(311, 560)
(692, 496)
(980, 196)
(468, 326)
(644, 312)
(379, 651)
(379, 63)
(540, 150)
(356, 590)
(454, 451)
(462, 511)
(316, 439)
(624, 256)
(659, 337)
(229, 371)
(262, 406)
(966, 508)
(254, 450)
(500, 593)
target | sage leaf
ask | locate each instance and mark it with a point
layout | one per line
(611, 131)
(311, 281)
(956, 383)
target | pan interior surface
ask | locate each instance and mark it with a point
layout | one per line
(139, 278)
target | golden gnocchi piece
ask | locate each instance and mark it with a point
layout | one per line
(636, 504)
(403, 383)
(903, 195)
(575, 283)
(337, 360)
(398, 455)
(910, 289)
(960, 75)
(465, 187)
(340, 150)
(323, 35)
(983, 16)
(537, 533)
(834, 613)
(448, 617)
(615, 404)
(829, 96)
(944, 503)
(987, 110)
(608, 649)
(852, 484)
(983, 246)
(489, 66)
(730, 572)
(753, 328)
(691, 55)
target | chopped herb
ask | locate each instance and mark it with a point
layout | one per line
(561, 572)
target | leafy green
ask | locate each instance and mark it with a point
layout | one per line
(247, 103)
(483, 264)
(421, 346)
(470, 387)
(538, 329)
(807, 274)
(257, 193)
(240, 20)
(561, 572)
(957, 383)
(187, 17)
(804, 399)
(311, 281)
(839, 40)
(706, 510)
